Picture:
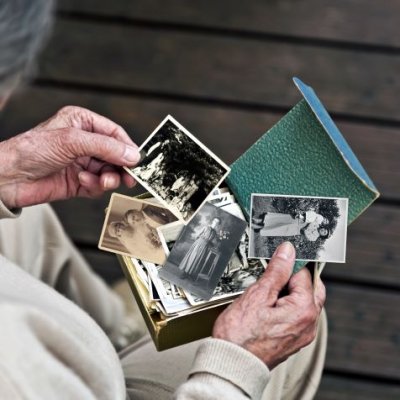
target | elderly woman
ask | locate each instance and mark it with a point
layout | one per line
(51, 348)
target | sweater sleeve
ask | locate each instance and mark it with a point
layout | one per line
(40, 359)
(49, 347)
(34, 354)
(223, 370)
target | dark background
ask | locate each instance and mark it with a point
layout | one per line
(223, 69)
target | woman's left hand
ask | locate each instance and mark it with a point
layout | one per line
(74, 153)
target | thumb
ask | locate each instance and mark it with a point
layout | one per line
(78, 143)
(279, 270)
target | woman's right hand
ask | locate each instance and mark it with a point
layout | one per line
(74, 153)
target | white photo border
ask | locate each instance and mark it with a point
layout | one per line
(200, 144)
(346, 201)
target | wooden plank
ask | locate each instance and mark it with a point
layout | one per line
(366, 22)
(363, 331)
(222, 68)
(377, 147)
(342, 388)
(373, 253)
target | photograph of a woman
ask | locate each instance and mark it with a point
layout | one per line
(195, 258)
(203, 250)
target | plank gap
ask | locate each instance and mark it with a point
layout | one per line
(228, 32)
(201, 100)
(361, 377)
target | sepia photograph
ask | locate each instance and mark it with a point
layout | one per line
(203, 250)
(178, 169)
(130, 228)
(317, 226)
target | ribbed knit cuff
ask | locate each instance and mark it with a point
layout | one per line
(232, 363)
(6, 213)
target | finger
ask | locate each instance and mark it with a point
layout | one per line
(77, 143)
(86, 120)
(110, 180)
(99, 167)
(93, 165)
(320, 294)
(104, 126)
(279, 269)
(128, 180)
(109, 168)
(90, 185)
(301, 283)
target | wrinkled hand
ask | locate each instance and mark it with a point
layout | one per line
(74, 153)
(274, 328)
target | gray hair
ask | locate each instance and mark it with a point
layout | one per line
(24, 26)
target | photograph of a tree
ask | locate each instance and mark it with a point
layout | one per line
(181, 172)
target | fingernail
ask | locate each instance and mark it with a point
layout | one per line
(83, 177)
(131, 155)
(108, 182)
(284, 251)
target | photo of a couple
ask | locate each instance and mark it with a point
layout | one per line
(130, 228)
(316, 226)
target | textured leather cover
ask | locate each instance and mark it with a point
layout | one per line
(303, 154)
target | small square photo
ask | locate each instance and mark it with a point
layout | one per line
(317, 226)
(130, 228)
(178, 169)
(203, 250)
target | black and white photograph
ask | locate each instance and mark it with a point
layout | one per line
(203, 250)
(169, 234)
(240, 273)
(178, 169)
(317, 226)
(130, 228)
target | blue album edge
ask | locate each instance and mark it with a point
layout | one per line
(332, 130)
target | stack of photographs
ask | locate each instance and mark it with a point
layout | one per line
(188, 241)
(240, 272)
